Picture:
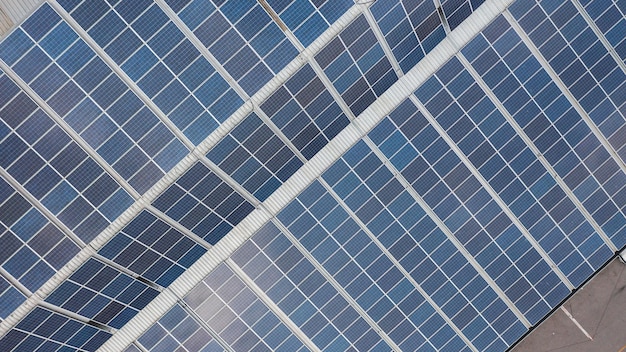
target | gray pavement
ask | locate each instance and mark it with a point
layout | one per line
(598, 311)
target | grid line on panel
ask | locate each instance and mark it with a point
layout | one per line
(495, 196)
(340, 289)
(383, 43)
(306, 174)
(120, 73)
(61, 123)
(110, 123)
(200, 47)
(601, 36)
(271, 305)
(594, 138)
(568, 92)
(474, 122)
(520, 132)
(37, 204)
(610, 18)
(395, 262)
(441, 225)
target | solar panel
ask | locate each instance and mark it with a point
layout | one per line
(271, 175)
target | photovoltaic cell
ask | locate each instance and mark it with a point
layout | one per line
(525, 186)
(154, 53)
(107, 119)
(357, 66)
(177, 330)
(301, 291)
(10, 298)
(552, 123)
(255, 157)
(33, 248)
(54, 169)
(411, 29)
(308, 19)
(205, 204)
(241, 36)
(44, 330)
(102, 294)
(426, 161)
(305, 112)
(234, 312)
(152, 249)
(456, 11)
(369, 276)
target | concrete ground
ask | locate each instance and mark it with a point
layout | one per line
(593, 320)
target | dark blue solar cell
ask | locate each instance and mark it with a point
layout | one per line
(75, 57)
(10, 245)
(40, 22)
(101, 189)
(177, 5)
(109, 27)
(123, 109)
(68, 159)
(183, 55)
(130, 10)
(66, 98)
(49, 81)
(18, 110)
(155, 80)
(108, 91)
(58, 40)
(75, 212)
(43, 182)
(12, 147)
(166, 39)
(52, 142)
(90, 12)
(14, 46)
(123, 46)
(26, 166)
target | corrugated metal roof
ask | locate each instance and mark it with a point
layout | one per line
(14, 11)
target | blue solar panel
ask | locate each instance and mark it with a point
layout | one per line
(300, 291)
(33, 248)
(424, 159)
(305, 112)
(411, 29)
(117, 111)
(44, 330)
(554, 125)
(182, 79)
(236, 314)
(473, 206)
(202, 202)
(525, 186)
(102, 294)
(179, 331)
(356, 64)
(241, 36)
(152, 249)
(255, 157)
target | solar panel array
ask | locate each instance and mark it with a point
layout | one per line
(140, 137)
